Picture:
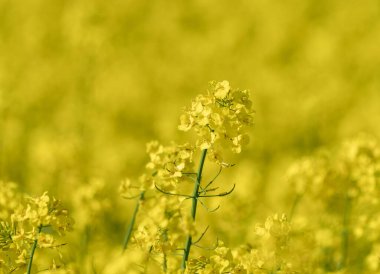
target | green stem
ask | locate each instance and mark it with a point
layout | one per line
(345, 231)
(147, 260)
(33, 250)
(165, 263)
(132, 222)
(195, 195)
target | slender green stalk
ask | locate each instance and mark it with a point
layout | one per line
(345, 231)
(34, 246)
(132, 222)
(147, 260)
(195, 195)
(165, 259)
(165, 263)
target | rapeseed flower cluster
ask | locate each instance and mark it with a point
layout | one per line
(162, 223)
(165, 168)
(220, 119)
(32, 223)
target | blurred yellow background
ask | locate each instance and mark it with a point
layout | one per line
(85, 84)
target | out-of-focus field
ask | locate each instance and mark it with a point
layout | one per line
(85, 84)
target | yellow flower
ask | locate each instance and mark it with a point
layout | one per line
(219, 118)
(222, 89)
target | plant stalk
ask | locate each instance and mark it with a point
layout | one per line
(345, 232)
(195, 195)
(132, 222)
(33, 250)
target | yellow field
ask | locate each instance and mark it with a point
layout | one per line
(85, 85)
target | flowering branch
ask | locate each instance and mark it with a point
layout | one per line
(220, 119)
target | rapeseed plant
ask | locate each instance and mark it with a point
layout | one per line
(27, 225)
(220, 120)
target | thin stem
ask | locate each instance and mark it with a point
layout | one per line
(165, 263)
(132, 222)
(145, 267)
(216, 176)
(208, 209)
(172, 194)
(202, 235)
(208, 248)
(220, 194)
(345, 231)
(29, 269)
(194, 208)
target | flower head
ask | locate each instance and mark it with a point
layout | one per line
(220, 119)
